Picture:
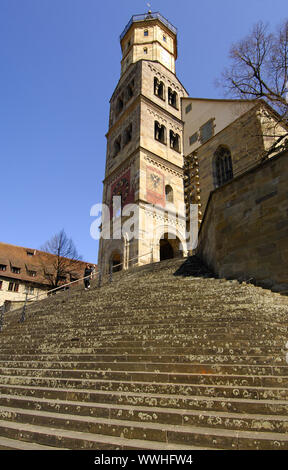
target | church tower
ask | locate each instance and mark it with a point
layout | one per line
(144, 160)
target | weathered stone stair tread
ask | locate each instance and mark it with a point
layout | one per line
(12, 444)
(116, 376)
(134, 409)
(148, 396)
(115, 351)
(200, 377)
(105, 441)
(166, 432)
(184, 360)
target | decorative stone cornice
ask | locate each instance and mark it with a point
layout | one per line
(164, 165)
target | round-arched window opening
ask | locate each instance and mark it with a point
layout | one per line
(169, 193)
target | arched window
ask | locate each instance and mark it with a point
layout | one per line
(174, 141)
(169, 193)
(223, 168)
(159, 88)
(160, 132)
(119, 105)
(117, 145)
(172, 98)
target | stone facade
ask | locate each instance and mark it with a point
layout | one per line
(245, 230)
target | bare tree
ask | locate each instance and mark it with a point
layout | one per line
(65, 259)
(259, 70)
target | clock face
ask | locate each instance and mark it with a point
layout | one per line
(121, 188)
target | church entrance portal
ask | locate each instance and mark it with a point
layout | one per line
(115, 262)
(169, 247)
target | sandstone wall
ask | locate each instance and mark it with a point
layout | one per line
(244, 233)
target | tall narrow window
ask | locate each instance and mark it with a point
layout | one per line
(119, 105)
(130, 90)
(223, 168)
(169, 193)
(160, 132)
(172, 98)
(13, 287)
(174, 141)
(127, 135)
(146, 32)
(117, 146)
(159, 88)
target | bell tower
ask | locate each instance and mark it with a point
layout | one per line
(149, 37)
(144, 159)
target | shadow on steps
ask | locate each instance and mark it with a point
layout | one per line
(194, 266)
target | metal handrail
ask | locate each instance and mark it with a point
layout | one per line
(132, 259)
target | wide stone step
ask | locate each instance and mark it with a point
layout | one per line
(149, 320)
(125, 383)
(128, 334)
(85, 354)
(171, 434)
(73, 347)
(208, 365)
(173, 356)
(195, 378)
(145, 362)
(84, 345)
(12, 444)
(257, 422)
(148, 398)
(74, 440)
(143, 329)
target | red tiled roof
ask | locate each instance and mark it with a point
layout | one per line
(17, 257)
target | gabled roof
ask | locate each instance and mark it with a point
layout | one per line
(40, 262)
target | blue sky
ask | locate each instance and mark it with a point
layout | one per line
(59, 65)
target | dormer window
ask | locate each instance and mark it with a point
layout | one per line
(30, 253)
(15, 270)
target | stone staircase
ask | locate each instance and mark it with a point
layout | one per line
(151, 361)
